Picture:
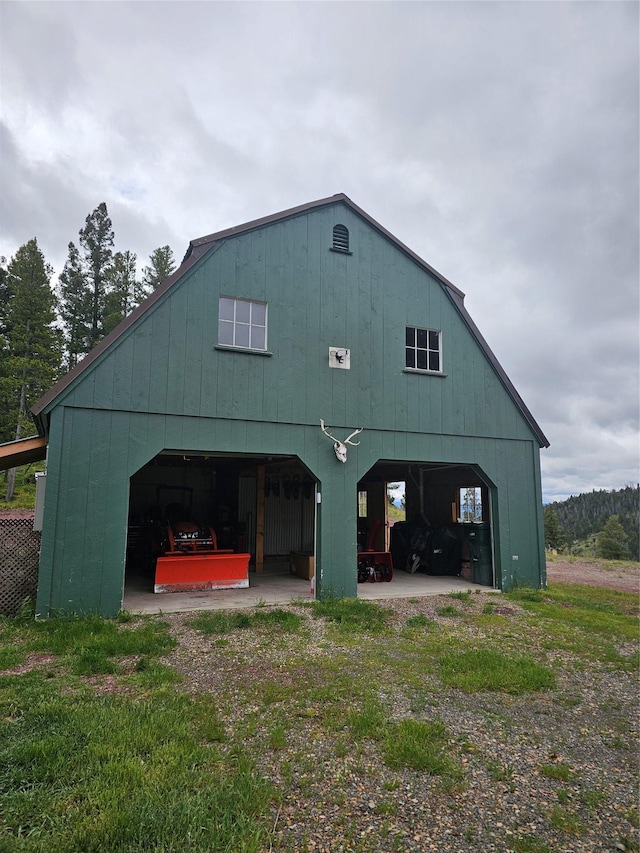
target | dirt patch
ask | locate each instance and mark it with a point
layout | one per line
(34, 661)
(12, 514)
(623, 576)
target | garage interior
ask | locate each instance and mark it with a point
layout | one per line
(446, 531)
(264, 507)
(261, 506)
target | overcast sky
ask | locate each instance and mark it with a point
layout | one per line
(499, 141)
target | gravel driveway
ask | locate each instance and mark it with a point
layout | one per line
(624, 576)
(547, 772)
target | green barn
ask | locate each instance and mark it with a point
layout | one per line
(228, 396)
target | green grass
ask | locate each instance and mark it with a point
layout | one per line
(488, 669)
(448, 610)
(283, 619)
(592, 609)
(528, 844)
(566, 820)
(499, 772)
(225, 621)
(277, 737)
(368, 720)
(418, 621)
(88, 646)
(11, 656)
(110, 746)
(352, 615)
(421, 745)
(463, 596)
(590, 623)
(70, 636)
(151, 675)
(143, 768)
(220, 622)
(559, 771)
(85, 774)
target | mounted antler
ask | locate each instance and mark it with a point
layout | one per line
(340, 447)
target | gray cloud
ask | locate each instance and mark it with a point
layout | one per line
(497, 140)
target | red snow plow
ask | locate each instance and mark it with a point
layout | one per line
(189, 558)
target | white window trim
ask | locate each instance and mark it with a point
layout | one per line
(426, 370)
(235, 323)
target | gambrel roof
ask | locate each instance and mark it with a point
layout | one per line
(199, 247)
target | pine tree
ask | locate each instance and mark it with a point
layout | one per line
(582, 516)
(75, 307)
(32, 343)
(124, 293)
(6, 418)
(96, 239)
(612, 540)
(161, 265)
(553, 536)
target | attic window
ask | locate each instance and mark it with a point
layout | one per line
(423, 349)
(242, 323)
(340, 239)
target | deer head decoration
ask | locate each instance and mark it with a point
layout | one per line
(340, 447)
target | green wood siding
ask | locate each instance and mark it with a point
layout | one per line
(169, 362)
(164, 384)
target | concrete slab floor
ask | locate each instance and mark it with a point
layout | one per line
(276, 585)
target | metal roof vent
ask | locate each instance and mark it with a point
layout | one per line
(340, 238)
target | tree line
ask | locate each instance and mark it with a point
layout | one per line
(606, 523)
(46, 328)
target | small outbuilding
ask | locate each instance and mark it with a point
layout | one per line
(258, 404)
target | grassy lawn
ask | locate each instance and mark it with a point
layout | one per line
(227, 731)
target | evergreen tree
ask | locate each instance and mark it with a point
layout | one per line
(391, 487)
(553, 536)
(32, 343)
(161, 265)
(4, 293)
(75, 306)
(124, 293)
(471, 504)
(96, 239)
(612, 540)
(6, 419)
(582, 516)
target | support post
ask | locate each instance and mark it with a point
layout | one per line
(260, 520)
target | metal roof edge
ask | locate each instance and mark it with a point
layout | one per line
(254, 224)
(315, 205)
(405, 249)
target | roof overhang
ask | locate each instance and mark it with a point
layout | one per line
(22, 451)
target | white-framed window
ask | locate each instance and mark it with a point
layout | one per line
(423, 349)
(242, 323)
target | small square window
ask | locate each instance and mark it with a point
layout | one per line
(423, 349)
(242, 323)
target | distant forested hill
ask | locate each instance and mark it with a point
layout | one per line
(583, 515)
